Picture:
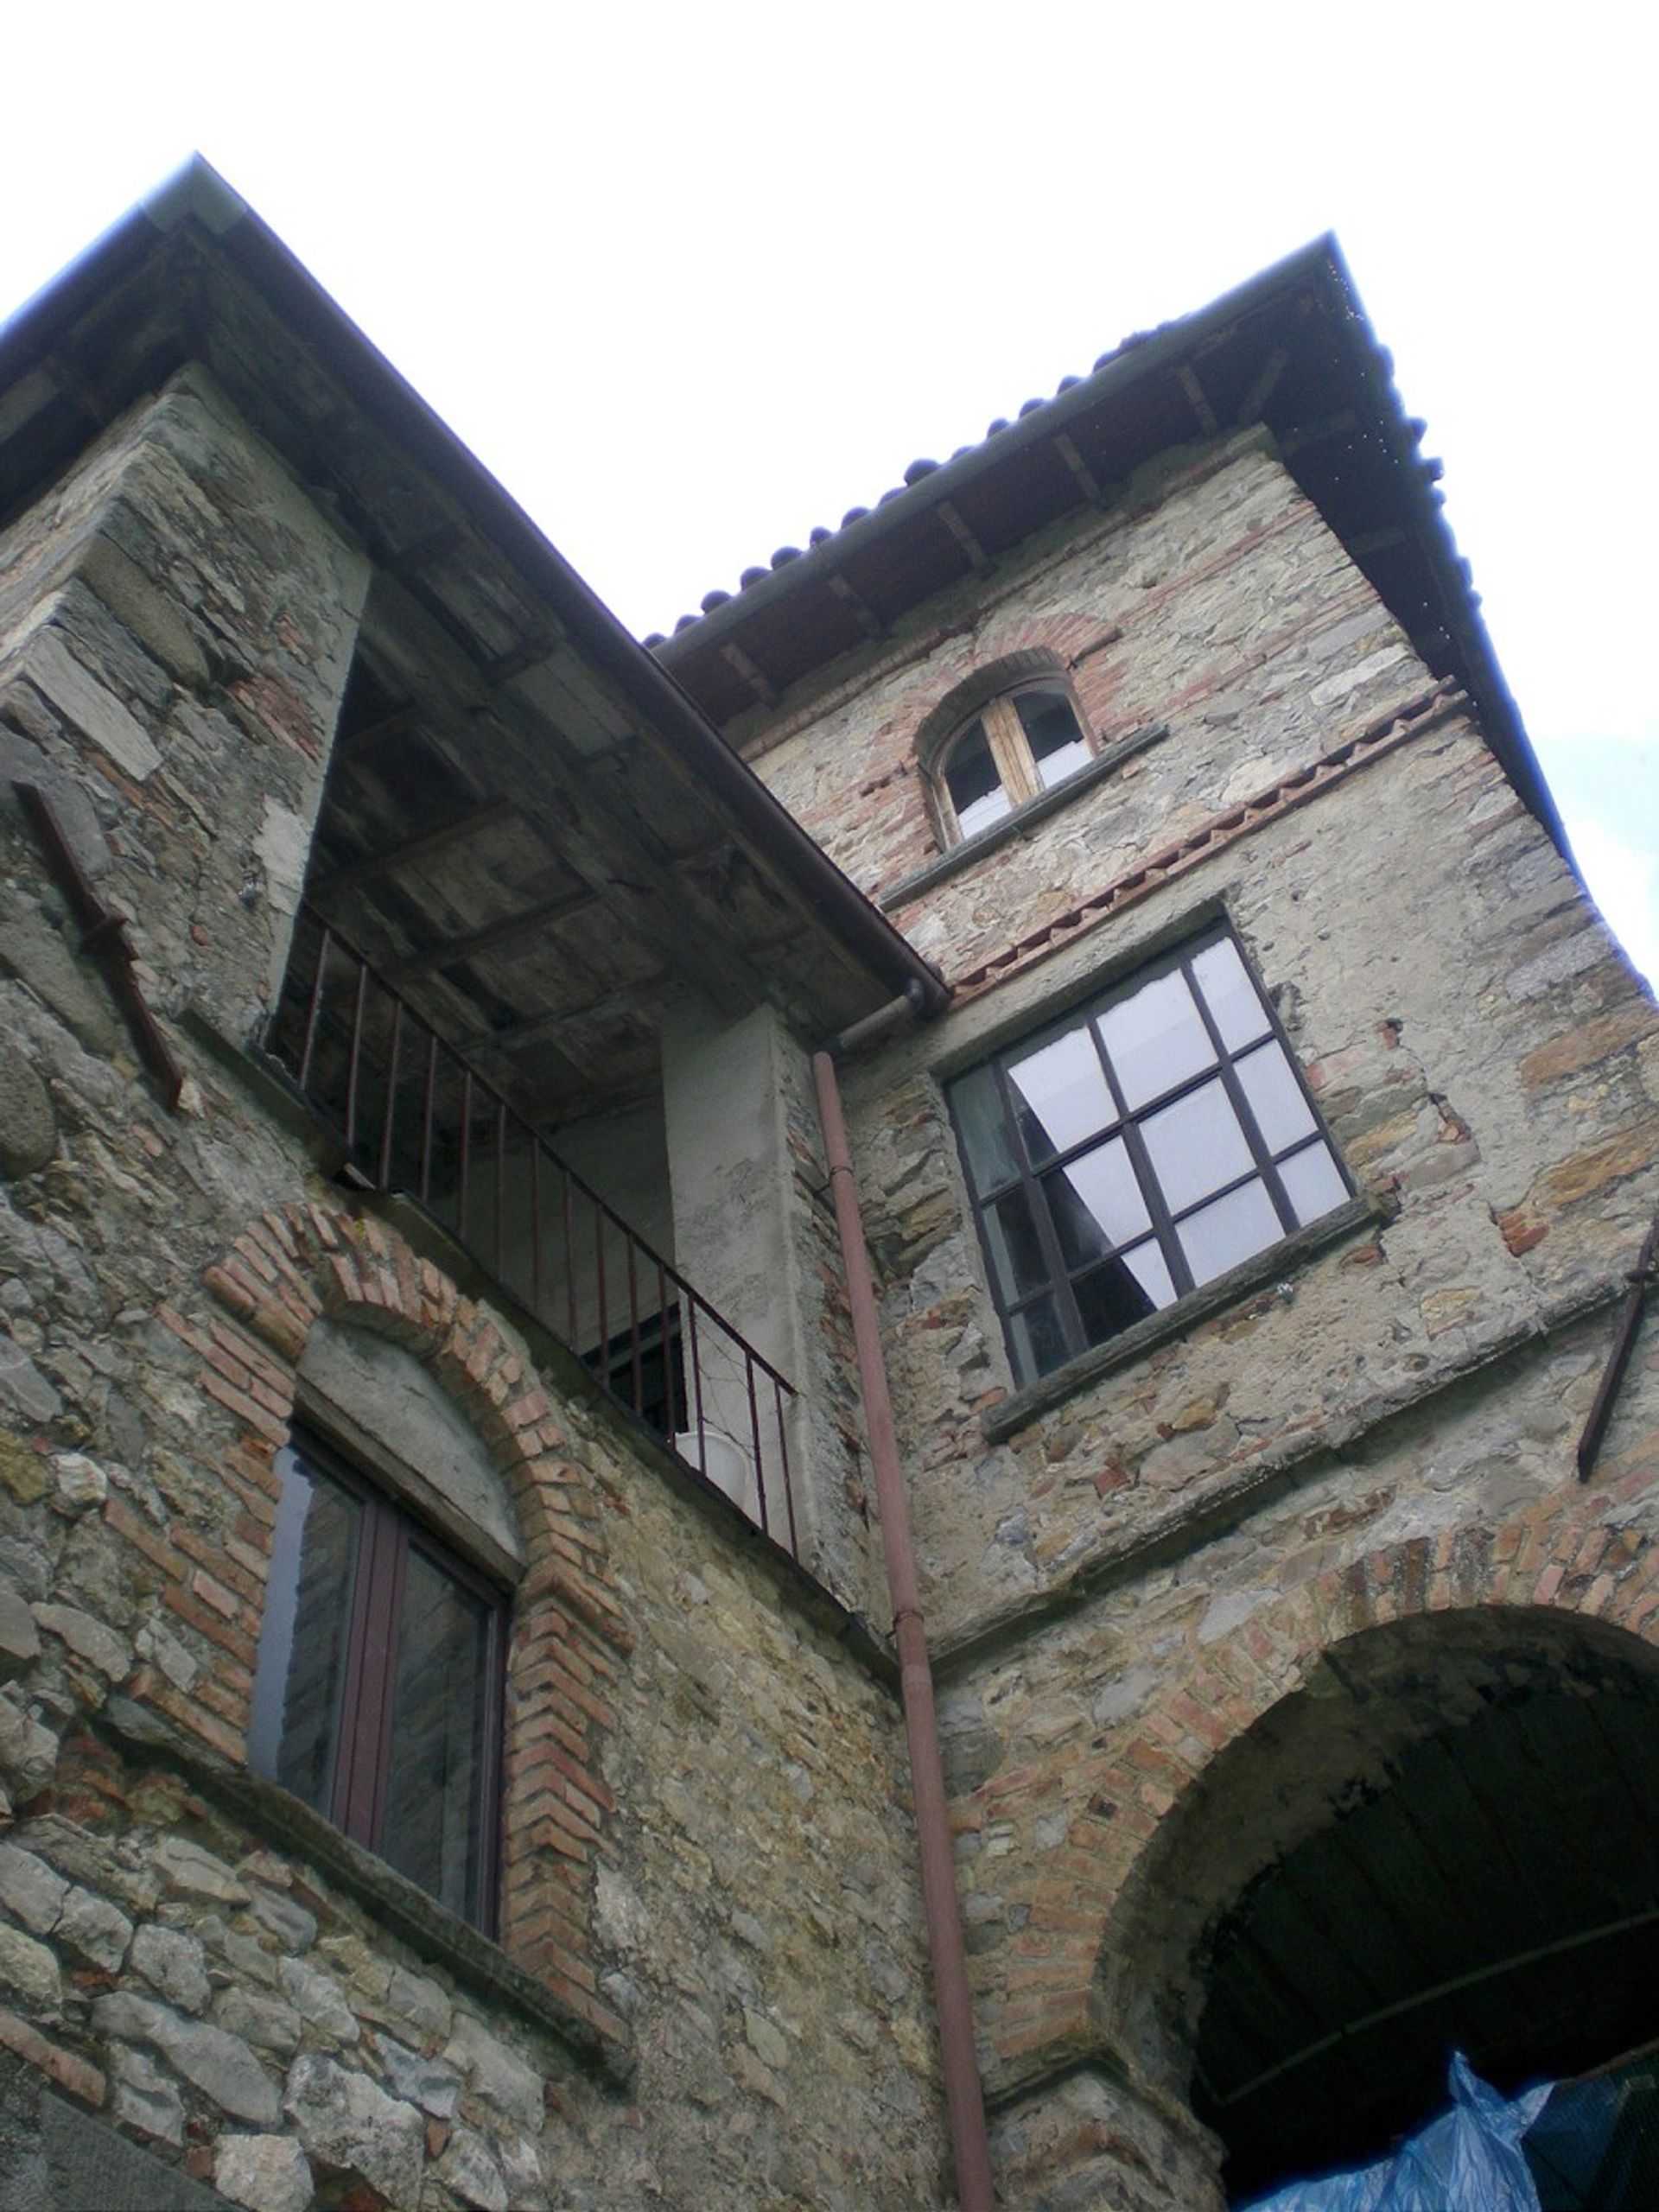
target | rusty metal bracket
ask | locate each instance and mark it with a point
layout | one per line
(104, 934)
(1641, 1279)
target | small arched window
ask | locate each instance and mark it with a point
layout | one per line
(1016, 747)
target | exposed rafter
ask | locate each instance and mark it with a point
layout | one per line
(1262, 386)
(1187, 377)
(735, 657)
(490, 936)
(950, 516)
(427, 845)
(1066, 448)
(857, 606)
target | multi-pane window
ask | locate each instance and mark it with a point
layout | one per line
(1140, 1148)
(378, 1697)
(1015, 747)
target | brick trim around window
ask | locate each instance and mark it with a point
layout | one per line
(291, 1267)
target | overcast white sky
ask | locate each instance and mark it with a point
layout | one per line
(691, 279)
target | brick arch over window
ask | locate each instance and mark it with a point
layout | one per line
(987, 680)
(292, 1268)
(1068, 1989)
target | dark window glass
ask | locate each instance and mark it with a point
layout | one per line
(440, 1717)
(1058, 744)
(1016, 748)
(974, 783)
(378, 1697)
(1156, 1140)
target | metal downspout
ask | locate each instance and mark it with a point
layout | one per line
(964, 2098)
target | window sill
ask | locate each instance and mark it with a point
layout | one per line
(438, 1936)
(1274, 1265)
(972, 849)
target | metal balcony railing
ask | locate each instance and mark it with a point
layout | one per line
(412, 1116)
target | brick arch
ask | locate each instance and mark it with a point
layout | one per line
(1068, 1986)
(992, 672)
(301, 1263)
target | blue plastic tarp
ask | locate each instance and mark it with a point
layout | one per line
(1468, 2160)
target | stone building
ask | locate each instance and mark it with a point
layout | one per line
(454, 1745)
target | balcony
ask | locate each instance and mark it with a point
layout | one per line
(413, 1117)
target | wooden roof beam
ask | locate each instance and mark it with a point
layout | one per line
(534, 1027)
(1262, 389)
(735, 657)
(951, 518)
(436, 546)
(1209, 421)
(598, 833)
(429, 842)
(1079, 467)
(490, 936)
(857, 606)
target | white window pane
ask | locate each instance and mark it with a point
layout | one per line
(1277, 1100)
(1312, 1182)
(1233, 1000)
(1147, 1265)
(1097, 1204)
(1062, 1094)
(1054, 767)
(983, 811)
(1050, 728)
(1218, 1237)
(1155, 1038)
(1195, 1146)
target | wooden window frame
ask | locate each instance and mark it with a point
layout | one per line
(356, 1793)
(1010, 750)
(1061, 1277)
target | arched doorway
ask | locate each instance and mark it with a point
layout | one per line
(1448, 1838)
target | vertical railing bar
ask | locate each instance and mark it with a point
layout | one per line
(754, 1433)
(500, 1179)
(789, 1480)
(428, 1112)
(314, 1011)
(604, 1301)
(535, 1223)
(354, 1055)
(571, 1338)
(671, 1428)
(697, 1377)
(384, 1176)
(464, 1194)
(633, 1328)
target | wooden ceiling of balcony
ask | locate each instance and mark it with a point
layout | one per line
(540, 886)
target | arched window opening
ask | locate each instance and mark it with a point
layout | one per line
(1015, 747)
(1450, 1840)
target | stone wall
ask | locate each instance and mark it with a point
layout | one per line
(1130, 1563)
(710, 1988)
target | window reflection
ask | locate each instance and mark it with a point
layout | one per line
(1153, 1142)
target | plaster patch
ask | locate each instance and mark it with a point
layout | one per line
(282, 847)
